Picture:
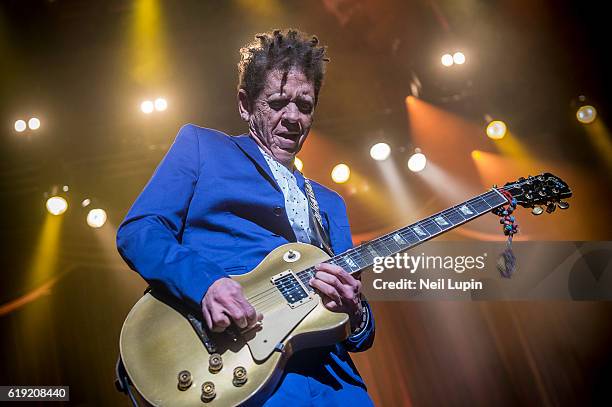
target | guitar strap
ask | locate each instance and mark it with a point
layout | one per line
(319, 230)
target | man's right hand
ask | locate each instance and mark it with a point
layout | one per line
(225, 303)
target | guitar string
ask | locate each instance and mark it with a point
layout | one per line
(383, 239)
(388, 237)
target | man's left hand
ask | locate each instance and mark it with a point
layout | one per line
(340, 291)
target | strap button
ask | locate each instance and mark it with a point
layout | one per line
(278, 210)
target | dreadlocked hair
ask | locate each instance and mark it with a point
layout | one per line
(282, 50)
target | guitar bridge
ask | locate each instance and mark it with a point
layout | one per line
(292, 289)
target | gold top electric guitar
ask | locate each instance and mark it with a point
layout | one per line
(172, 360)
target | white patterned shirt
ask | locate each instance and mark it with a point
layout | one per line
(296, 203)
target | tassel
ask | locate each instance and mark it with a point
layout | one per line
(506, 263)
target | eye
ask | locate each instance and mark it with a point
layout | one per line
(305, 107)
(277, 104)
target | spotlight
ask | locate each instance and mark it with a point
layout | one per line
(417, 161)
(496, 129)
(476, 154)
(341, 173)
(380, 151)
(298, 164)
(161, 104)
(459, 58)
(20, 126)
(56, 205)
(34, 123)
(447, 59)
(586, 114)
(96, 218)
(85, 202)
(147, 107)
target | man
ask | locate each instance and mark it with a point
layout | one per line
(217, 205)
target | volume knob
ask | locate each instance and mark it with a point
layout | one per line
(184, 380)
(208, 391)
(215, 363)
(240, 376)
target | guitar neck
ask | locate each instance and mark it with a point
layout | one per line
(361, 257)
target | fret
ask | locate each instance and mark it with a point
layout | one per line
(430, 226)
(352, 265)
(467, 211)
(366, 254)
(391, 244)
(343, 262)
(356, 258)
(421, 233)
(494, 199)
(454, 216)
(380, 247)
(409, 235)
(442, 222)
(400, 241)
(480, 205)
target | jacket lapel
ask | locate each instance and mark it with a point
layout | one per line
(249, 147)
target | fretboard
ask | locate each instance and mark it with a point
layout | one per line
(362, 257)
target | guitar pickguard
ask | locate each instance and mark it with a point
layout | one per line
(276, 326)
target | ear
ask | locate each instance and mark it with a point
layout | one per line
(243, 105)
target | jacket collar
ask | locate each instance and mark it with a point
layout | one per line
(249, 147)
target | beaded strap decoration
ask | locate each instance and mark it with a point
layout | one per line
(507, 261)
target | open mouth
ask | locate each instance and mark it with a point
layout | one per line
(288, 140)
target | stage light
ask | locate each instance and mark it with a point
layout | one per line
(34, 123)
(447, 59)
(459, 58)
(85, 202)
(147, 107)
(476, 154)
(56, 205)
(298, 164)
(20, 126)
(161, 104)
(586, 114)
(380, 151)
(417, 161)
(496, 129)
(96, 218)
(341, 173)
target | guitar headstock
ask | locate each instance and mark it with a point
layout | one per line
(545, 189)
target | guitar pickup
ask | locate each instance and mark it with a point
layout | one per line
(292, 289)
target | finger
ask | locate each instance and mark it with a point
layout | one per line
(338, 272)
(329, 303)
(345, 291)
(250, 313)
(219, 319)
(237, 314)
(207, 318)
(326, 289)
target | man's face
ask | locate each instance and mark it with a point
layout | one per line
(281, 116)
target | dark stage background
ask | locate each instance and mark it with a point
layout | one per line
(84, 67)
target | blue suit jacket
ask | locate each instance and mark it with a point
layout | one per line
(213, 208)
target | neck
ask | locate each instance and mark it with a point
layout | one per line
(362, 257)
(266, 150)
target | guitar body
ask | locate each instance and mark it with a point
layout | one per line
(157, 341)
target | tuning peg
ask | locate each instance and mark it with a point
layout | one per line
(550, 208)
(537, 210)
(563, 205)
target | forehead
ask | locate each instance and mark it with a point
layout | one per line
(291, 82)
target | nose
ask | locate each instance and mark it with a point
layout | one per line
(291, 116)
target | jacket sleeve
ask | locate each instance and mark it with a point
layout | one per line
(340, 235)
(149, 238)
